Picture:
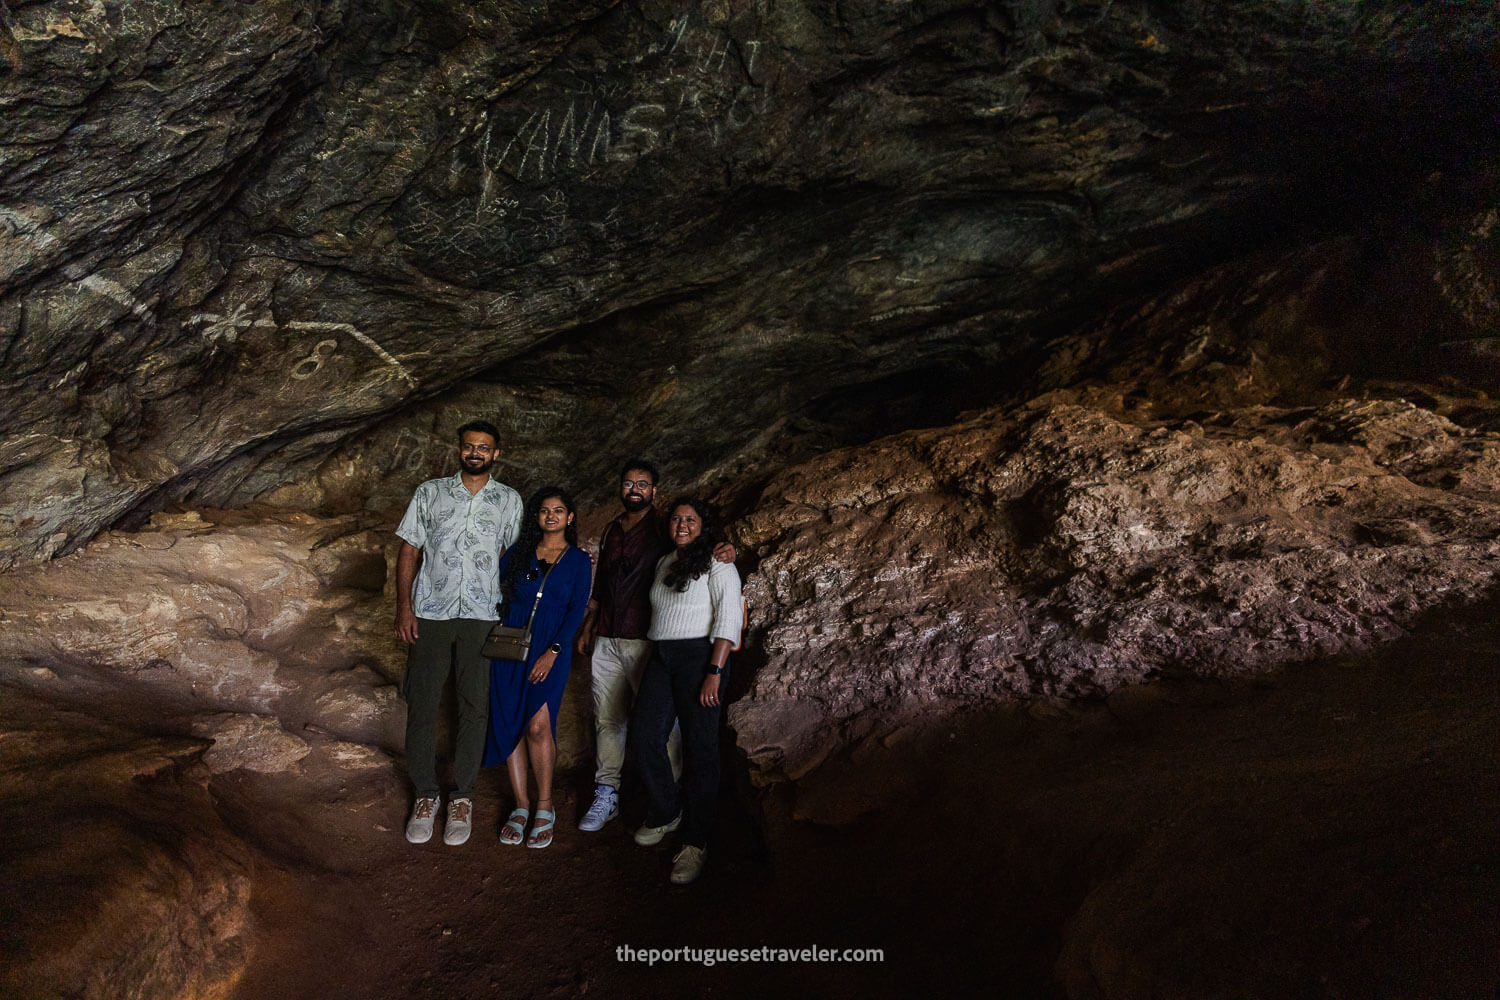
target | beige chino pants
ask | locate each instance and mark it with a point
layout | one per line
(617, 667)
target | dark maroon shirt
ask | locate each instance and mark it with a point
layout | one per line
(622, 583)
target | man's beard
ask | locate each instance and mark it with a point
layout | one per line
(634, 504)
(489, 463)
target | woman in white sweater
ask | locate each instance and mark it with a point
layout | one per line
(696, 616)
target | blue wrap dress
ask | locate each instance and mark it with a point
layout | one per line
(513, 698)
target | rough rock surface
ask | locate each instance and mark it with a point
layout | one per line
(1056, 549)
(276, 618)
(133, 860)
(257, 630)
(231, 238)
(119, 877)
(1311, 834)
(1163, 843)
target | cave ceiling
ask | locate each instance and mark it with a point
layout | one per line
(236, 237)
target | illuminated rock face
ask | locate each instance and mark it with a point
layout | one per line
(191, 619)
(1057, 549)
(232, 240)
(267, 634)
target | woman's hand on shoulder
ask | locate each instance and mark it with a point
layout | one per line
(725, 553)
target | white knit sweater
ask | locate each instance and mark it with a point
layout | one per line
(709, 607)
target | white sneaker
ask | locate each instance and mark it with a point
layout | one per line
(460, 822)
(606, 806)
(649, 836)
(688, 865)
(419, 827)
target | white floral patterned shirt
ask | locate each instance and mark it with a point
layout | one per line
(461, 537)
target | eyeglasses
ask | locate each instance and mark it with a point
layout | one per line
(638, 484)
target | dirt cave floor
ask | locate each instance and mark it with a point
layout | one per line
(1332, 831)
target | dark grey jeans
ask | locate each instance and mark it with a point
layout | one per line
(442, 646)
(669, 692)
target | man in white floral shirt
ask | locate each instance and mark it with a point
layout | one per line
(447, 587)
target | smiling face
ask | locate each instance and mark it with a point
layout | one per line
(637, 491)
(553, 516)
(684, 525)
(476, 451)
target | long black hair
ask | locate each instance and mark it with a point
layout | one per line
(694, 560)
(531, 533)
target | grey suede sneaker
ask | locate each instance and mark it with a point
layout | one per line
(419, 827)
(688, 864)
(460, 821)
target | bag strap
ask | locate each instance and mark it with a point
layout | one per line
(542, 586)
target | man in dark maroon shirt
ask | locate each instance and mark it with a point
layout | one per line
(614, 630)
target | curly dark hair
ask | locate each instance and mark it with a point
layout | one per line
(531, 534)
(694, 560)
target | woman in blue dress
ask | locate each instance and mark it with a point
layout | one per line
(524, 696)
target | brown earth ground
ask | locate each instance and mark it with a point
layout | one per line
(1327, 832)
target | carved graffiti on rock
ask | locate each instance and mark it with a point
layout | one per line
(546, 145)
(227, 327)
(313, 363)
(705, 80)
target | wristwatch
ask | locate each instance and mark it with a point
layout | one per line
(716, 671)
(555, 648)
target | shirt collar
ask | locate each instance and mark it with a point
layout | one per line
(461, 492)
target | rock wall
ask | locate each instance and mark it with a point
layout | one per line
(268, 634)
(1060, 550)
(257, 618)
(272, 254)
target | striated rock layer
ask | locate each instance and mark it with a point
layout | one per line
(269, 634)
(193, 619)
(1059, 549)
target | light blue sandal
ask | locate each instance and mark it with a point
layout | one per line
(514, 830)
(541, 833)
